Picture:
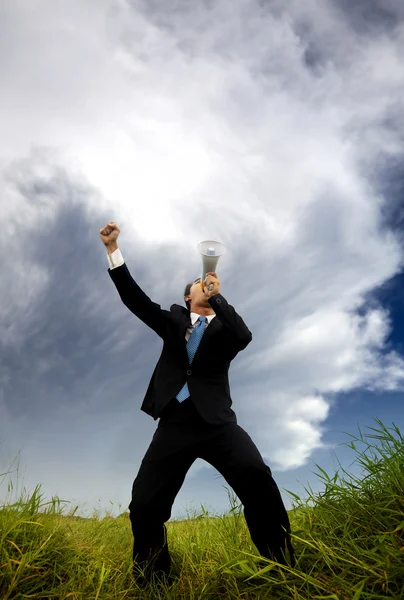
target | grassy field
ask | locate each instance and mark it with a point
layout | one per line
(349, 543)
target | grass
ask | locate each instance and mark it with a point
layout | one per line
(349, 543)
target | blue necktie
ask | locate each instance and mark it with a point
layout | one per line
(192, 347)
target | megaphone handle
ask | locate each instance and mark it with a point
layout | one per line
(210, 288)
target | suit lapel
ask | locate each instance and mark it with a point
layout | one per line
(185, 322)
(214, 326)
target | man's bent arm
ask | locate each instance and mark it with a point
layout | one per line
(231, 320)
(132, 295)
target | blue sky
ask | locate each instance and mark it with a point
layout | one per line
(275, 128)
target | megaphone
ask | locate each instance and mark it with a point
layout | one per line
(211, 252)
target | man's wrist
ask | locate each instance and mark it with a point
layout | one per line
(213, 295)
(111, 247)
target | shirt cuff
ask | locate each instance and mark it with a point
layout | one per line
(115, 259)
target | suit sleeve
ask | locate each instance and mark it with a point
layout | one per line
(136, 300)
(231, 320)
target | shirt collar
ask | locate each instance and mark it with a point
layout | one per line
(195, 317)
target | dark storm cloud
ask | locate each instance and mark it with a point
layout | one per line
(388, 177)
(82, 346)
(369, 17)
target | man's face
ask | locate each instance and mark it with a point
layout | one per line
(196, 294)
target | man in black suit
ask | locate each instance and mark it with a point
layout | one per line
(189, 392)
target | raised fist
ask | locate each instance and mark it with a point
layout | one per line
(109, 233)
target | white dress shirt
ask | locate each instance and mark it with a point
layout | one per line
(116, 260)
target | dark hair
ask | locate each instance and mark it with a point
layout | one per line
(187, 291)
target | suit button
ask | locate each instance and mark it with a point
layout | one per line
(218, 301)
(189, 372)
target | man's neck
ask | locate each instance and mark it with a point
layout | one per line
(203, 311)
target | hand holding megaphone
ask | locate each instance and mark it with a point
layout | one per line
(211, 252)
(211, 284)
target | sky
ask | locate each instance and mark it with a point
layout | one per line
(273, 127)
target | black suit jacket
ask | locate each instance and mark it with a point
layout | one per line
(207, 377)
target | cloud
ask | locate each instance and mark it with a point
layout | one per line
(256, 123)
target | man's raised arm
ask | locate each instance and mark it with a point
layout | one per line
(131, 294)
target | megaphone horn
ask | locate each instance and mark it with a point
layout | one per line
(211, 252)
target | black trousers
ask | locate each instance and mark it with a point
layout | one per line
(180, 438)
